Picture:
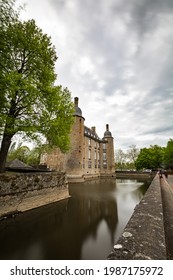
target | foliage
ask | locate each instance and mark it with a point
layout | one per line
(168, 155)
(21, 153)
(31, 105)
(7, 13)
(120, 159)
(29, 98)
(126, 160)
(150, 158)
(154, 157)
(132, 154)
(33, 157)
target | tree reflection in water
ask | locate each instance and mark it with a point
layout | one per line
(85, 226)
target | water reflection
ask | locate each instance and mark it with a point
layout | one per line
(84, 226)
(96, 216)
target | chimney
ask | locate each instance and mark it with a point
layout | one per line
(107, 127)
(76, 99)
(93, 128)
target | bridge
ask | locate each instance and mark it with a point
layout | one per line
(149, 233)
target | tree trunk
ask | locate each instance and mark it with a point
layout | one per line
(6, 141)
(7, 136)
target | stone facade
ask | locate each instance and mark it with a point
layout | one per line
(89, 155)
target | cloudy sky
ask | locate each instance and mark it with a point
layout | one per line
(117, 57)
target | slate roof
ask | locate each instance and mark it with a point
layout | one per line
(18, 164)
(91, 133)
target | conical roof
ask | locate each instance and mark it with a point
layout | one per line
(107, 132)
(78, 111)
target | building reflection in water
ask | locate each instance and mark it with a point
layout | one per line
(95, 203)
(85, 226)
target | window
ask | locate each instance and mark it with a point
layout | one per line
(104, 161)
(89, 154)
(104, 147)
(95, 159)
(104, 156)
(95, 154)
(105, 164)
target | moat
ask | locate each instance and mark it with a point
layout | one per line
(85, 226)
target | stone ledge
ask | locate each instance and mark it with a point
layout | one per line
(143, 237)
(22, 192)
(10, 205)
(167, 202)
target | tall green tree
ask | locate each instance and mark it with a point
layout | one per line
(31, 105)
(150, 158)
(168, 155)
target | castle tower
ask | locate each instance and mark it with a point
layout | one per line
(108, 163)
(74, 165)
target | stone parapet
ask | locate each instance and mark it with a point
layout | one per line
(167, 202)
(143, 237)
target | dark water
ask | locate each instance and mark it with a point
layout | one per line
(85, 226)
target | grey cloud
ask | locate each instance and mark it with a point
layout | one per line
(160, 130)
(144, 14)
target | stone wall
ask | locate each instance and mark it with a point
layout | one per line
(144, 238)
(23, 191)
(55, 160)
(167, 202)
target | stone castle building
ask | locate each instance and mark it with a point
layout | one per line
(89, 156)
